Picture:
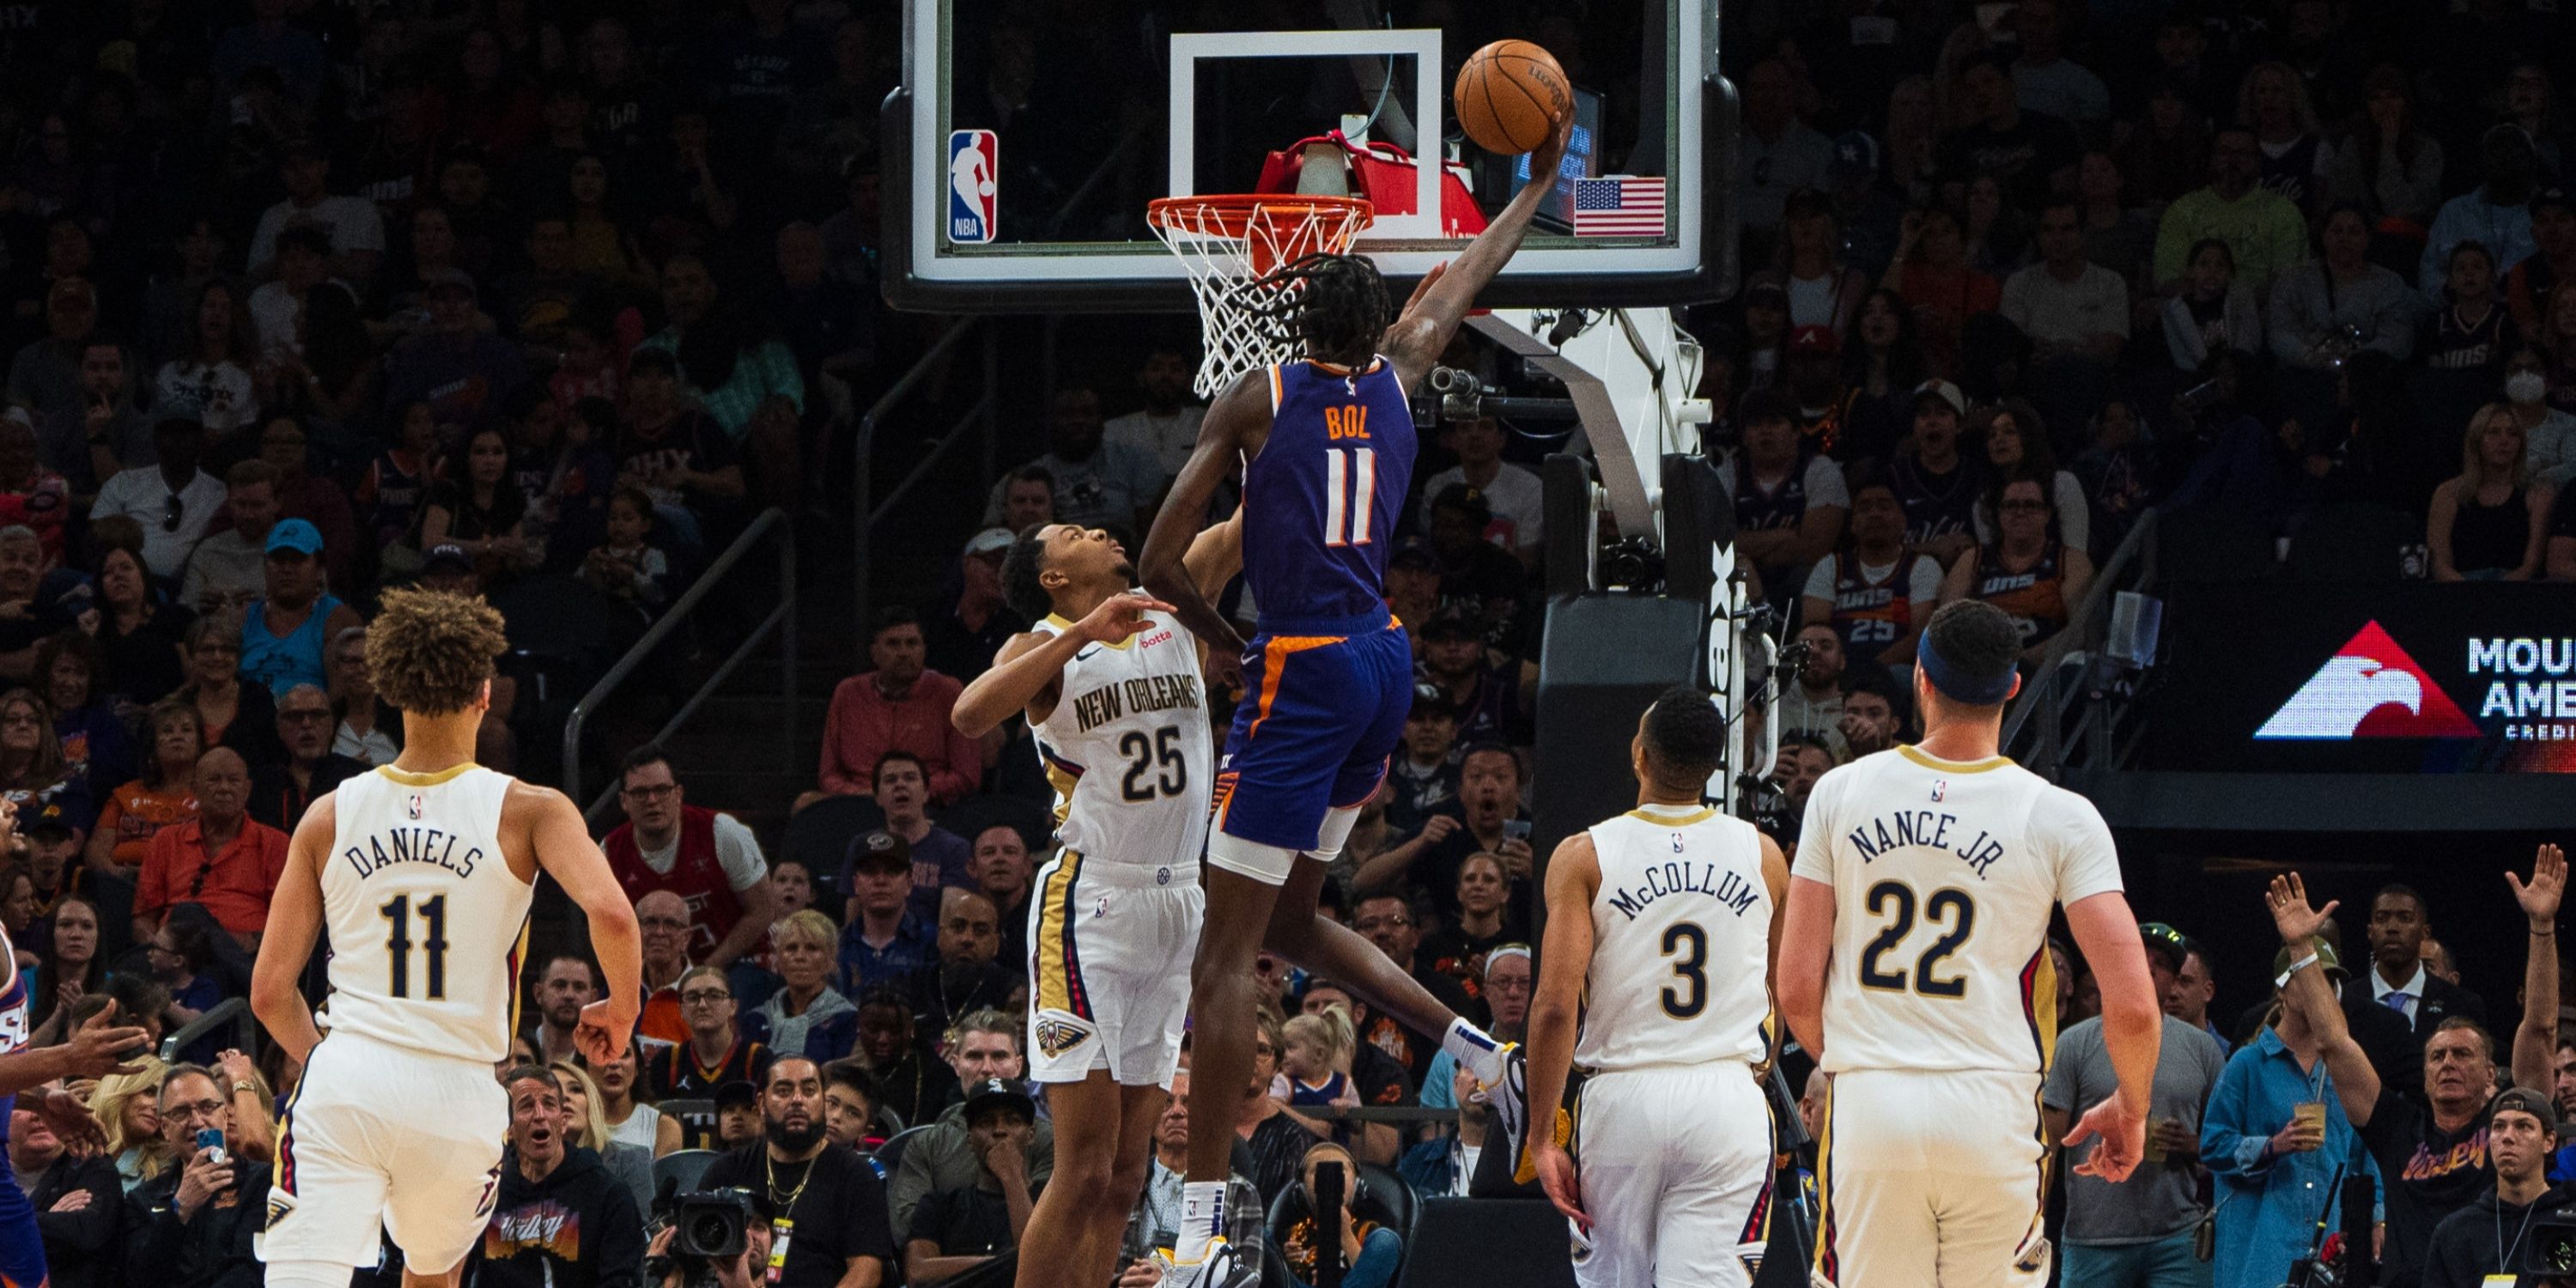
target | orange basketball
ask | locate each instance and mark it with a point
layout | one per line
(1510, 96)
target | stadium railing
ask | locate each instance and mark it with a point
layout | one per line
(977, 423)
(2072, 709)
(781, 619)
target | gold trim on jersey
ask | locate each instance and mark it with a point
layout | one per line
(1701, 815)
(1059, 984)
(1828, 1262)
(410, 779)
(1930, 761)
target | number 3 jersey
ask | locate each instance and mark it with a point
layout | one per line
(1944, 875)
(1681, 935)
(1128, 747)
(427, 921)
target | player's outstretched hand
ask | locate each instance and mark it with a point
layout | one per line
(2291, 915)
(1556, 1175)
(2539, 897)
(80, 1131)
(603, 1032)
(2123, 1141)
(1551, 154)
(1119, 617)
(1420, 289)
(97, 1050)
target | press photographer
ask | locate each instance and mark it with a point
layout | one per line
(819, 1205)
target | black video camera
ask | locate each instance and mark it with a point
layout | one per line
(709, 1226)
(2548, 1249)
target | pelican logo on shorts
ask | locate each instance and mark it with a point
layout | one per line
(416, 804)
(278, 1206)
(1057, 1036)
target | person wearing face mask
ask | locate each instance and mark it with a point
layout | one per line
(2548, 434)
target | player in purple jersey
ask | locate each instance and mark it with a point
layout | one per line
(1326, 445)
(95, 1050)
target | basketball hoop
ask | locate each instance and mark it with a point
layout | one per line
(1227, 244)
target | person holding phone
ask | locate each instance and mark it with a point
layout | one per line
(193, 1223)
(1487, 817)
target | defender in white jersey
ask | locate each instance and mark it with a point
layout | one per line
(1113, 688)
(1915, 967)
(421, 873)
(1659, 951)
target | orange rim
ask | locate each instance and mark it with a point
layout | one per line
(1233, 213)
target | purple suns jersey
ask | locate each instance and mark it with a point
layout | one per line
(1321, 500)
(13, 1026)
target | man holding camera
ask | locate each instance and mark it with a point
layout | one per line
(2492, 1235)
(824, 1207)
(560, 1220)
(192, 1225)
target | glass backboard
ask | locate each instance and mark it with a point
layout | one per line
(1029, 135)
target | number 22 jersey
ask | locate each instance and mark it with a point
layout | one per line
(428, 924)
(1944, 874)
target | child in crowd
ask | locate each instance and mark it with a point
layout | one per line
(1315, 1067)
(626, 566)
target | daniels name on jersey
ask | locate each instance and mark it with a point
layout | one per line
(374, 853)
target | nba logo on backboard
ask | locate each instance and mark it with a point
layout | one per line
(972, 169)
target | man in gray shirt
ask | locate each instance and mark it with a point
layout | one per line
(2137, 1234)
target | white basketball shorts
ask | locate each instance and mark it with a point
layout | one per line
(1931, 1177)
(381, 1133)
(1675, 1167)
(1110, 944)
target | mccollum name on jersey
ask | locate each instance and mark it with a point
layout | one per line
(1139, 694)
(412, 845)
(1731, 890)
(1923, 827)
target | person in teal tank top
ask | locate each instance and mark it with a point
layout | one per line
(287, 631)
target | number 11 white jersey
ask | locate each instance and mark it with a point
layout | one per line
(1944, 876)
(428, 924)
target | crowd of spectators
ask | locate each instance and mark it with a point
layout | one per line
(303, 300)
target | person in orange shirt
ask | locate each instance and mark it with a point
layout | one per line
(664, 919)
(164, 797)
(224, 859)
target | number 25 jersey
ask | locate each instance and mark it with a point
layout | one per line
(1944, 874)
(428, 924)
(1128, 747)
(1681, 937)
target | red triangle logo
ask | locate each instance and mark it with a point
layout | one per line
(2370, 688)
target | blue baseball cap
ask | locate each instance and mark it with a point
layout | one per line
(296, 535)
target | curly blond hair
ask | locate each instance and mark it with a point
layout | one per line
(430, 653)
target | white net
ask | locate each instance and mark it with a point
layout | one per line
(1227, 245)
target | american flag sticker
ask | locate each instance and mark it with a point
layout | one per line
(1621, 206)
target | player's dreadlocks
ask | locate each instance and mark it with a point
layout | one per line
(1336, 304)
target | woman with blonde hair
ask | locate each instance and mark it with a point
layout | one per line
(807, 1016)
(128, 1109)
(628, 1118)
(2490, 522)
(588, 1128)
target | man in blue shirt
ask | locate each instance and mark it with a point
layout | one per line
(885, 940)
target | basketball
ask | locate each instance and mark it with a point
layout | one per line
(1510, 95)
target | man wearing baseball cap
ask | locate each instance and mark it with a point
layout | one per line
(963, 640)
(958, 1229)
(1937, 485)
(882, 942)
(288, 629)
(2491, 1235)
(2141, 1230)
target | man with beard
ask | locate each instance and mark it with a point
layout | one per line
(955, 1230)
(916, 1084)
(568, 985)
(966, 978)
(559, 1219)
(984, 1046)
(802, 1183)
(1812, 704)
